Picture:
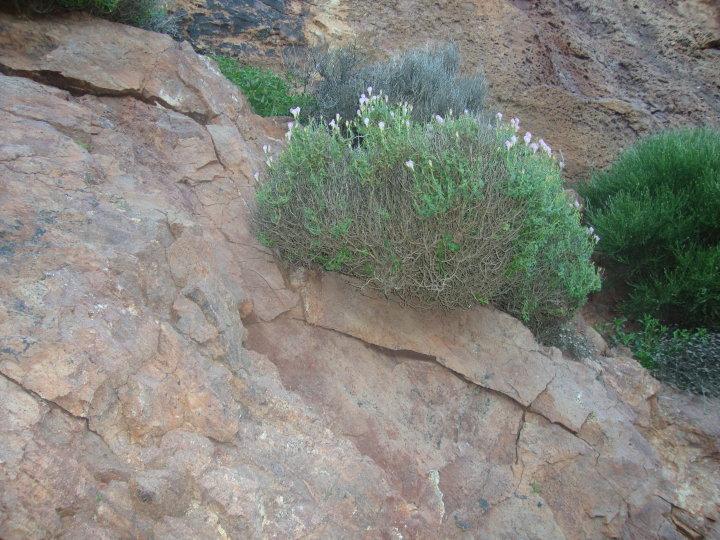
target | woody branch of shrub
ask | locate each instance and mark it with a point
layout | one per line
(452, 212)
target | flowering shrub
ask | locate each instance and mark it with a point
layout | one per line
(657, 212)
(452, 212)
(427, 78)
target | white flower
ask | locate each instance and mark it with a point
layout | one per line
(392, 114)
(576, 205)
(266, 149)
(358, 112)
(363, 100)
(366, 121)
(590, 231)
(466, 112)
(534, 147)
(381, 125)
(256, 176)
(369, 90)
(439, 119)
(510, 142)
(410, 164)
(527, 138)
(515, 123)
(337, 117)
(295, 111)
(596, 238)
(290, 125)
(499, 116)
(332, 124)
(545, 147)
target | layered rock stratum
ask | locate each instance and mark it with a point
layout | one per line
(162, 376)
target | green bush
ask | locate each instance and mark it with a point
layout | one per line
(148, 14)
(269, 93)
(686, 359)
(657, 212)
(439, 213)
(428, 79)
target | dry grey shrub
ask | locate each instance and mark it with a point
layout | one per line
(692, 364)
(428, 78)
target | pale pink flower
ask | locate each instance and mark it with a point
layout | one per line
(363, 100)
(534, 147)
(295, 111)
(369, 90)
(527, 138)
(439, 119)
(515, 123)
(499, 116)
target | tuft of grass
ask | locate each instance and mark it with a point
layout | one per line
(657, 212)
(438, 213)
(147, 14)
(269, 93)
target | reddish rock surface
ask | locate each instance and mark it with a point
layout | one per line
(162, 377)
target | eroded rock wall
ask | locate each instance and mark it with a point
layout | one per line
(587, 76)
(162, 377)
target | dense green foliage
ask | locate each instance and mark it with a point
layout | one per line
(428, 78)
(438, 213)
(657, 211)
(149, 14)
(269, 93)
(686, 359)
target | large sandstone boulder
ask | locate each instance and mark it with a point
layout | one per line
(162, 377)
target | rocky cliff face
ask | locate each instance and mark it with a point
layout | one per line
(162, 377)
(587, 76)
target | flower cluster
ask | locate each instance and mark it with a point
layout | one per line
(591, 233)
(534, 146)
